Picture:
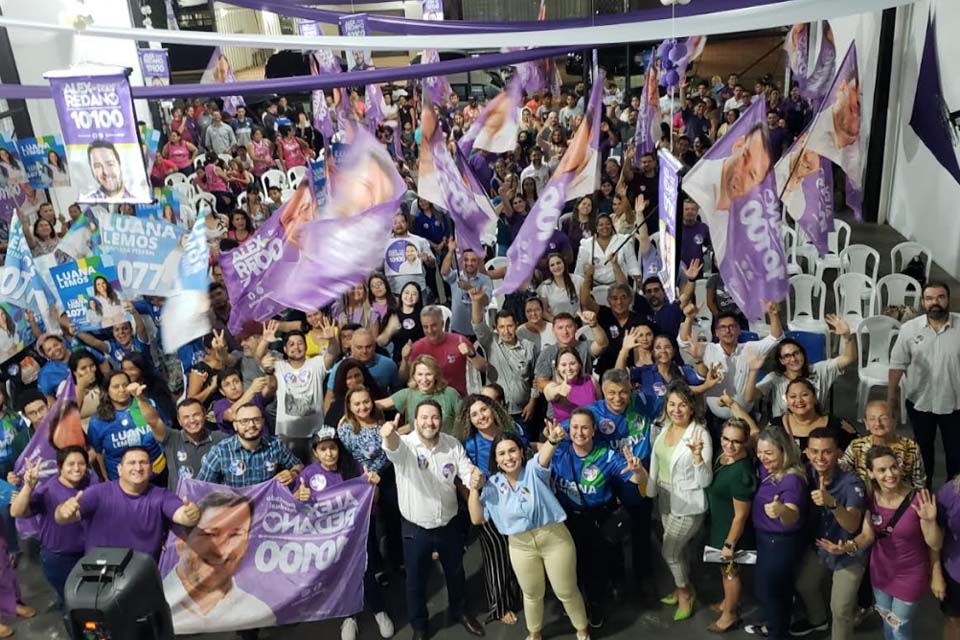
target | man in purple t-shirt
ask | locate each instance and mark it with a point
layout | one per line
(128, 512)
(695, 235)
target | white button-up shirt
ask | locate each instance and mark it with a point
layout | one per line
(930, 361)
(734, 370)
(425, 478)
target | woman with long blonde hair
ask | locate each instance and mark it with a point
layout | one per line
(426, 382)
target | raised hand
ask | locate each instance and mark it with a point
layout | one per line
(634, 465)
(774, 508)
(821, 497)
(640, 204)
(476, 479)
(632, 339)
(553, 431)
(259, 384)
(191, 511)
(451, 244)
(725, 400)
(464, 348)
(135, 389)
(690, 310)
(219, 342)
(772, 308)
(693, 269)
(328, 330)
(562, 389)
(270, 329)
(696, 445)
(31, 475)
(754, 359)
(303, 491)
(477, 294)
(405, 351)
(589, 318)
(926, 507)
(389, 427)
(71, 507)
(695, 348)
(838, 326)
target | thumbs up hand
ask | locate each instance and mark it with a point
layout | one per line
(191, 512)
(821, 497)
(71, 508)
(774, 508)
(303, 491)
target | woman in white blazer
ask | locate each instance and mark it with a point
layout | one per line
(680, 472)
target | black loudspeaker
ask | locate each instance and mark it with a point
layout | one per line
(116, 594)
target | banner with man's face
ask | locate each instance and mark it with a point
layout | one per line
(220, 71)
(100, 132)
(260, 558)
(356, 26)
(668, 194)
(805, 184)
(155, 65)
(735, 188)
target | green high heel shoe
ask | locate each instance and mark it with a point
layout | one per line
(680, 616)
(669, 600)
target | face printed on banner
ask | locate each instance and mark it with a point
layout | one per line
(212, 552)
(746, 167)
(803, 164)
(107, 170)
(846, 113)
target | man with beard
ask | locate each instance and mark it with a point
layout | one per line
(107, 169)
(201, 589)
(927, 357)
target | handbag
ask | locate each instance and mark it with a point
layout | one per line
(902, 509)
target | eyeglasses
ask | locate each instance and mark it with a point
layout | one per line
(790, 355)
(248, 422)
(726, 440)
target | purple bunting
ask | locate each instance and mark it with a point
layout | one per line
(736, 191)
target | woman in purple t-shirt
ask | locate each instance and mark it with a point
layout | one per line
(778, 511)
(334, 465)
(901, 524)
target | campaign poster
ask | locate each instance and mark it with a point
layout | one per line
(90, 293)
(285, 561)
(185, 316)
(99, 127)
(44, 160)
(318, 182)
(669, 193)
(356, 26)
(219, 71)
(155, 65)
(146, 252)
(150, 138)
(15, 332)
(166, 206)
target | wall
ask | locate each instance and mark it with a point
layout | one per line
(37, 52)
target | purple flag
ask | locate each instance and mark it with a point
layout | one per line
(185, 316)
(736, 191)
(322, 62)
(497, 125)
(276, 241)
(834, 133)
(580, 165)
(373, 100)
(805, 184)
(356, 25)
(647, 134)
(99, 127)
(291, 562)
(930, 118)
(219, 71)
(432, 10)
(455, 195)
(365, 196)
(668, 194)
(435, 87)
(155, 67)
(813, 83)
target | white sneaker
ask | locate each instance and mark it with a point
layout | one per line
(348, 629)
(385, 624)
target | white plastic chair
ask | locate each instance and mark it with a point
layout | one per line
(447, 316)
(806, 304)
(898, 289)
(860, 258)
(854, 296)
(875, 338)
(187, 191)
(175, 179)
(903, 253)
(837, 241)
(273, 177)
(295, 175)
(188, 215)
(198, 161)
(226, 157)
(789, 238)
(205, 199)
(242, 200)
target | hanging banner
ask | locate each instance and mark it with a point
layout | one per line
(805, 184)
(813, 82)
(668, 194)
(150, 138)
(579, 165)
(432, 10)
(736, 190)
(356, 26)
(185, 316)
(496, 128)
(284, 561)
(436, 87)
(322, 62)
(45, 161)
(146, 253)
(100, 131)
(648, 133)
(89, 291)
(219, 71)
(155, 66)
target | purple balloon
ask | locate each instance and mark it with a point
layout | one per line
(671, 78)
(667, 64)
(677, 53)
(664, 49)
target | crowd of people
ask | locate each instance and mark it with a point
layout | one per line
(573, 427)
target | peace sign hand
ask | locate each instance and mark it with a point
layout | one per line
(31, 475)
(634, 465)
(553, 431)
(927, 507)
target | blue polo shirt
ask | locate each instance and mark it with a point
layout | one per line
(848, 489)
(51, 375)
(478, 449)
(383, 369)
(654, 387)
(599, 474)
(530, 505)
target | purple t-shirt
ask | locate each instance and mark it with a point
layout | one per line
(319, 479)
(948, 513)
(44, 501)
(220, 407)
(899, 562)
(791, 488)
(114, 518)
(692, 242)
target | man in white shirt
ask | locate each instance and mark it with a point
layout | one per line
(739, 101)
(536, 170)
(427, 463)
(926, 357)
(201, 589)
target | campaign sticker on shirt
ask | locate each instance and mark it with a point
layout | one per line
(698, 239)
(918, 339)
(318, 482)
(448, 470)
(451, 358)
(659, 388)
(408, 324)
(606, 426)
(124, 422)
(182, 455)
(237, 467)
(614, 332)
(422, 461)
(270, 466)
(523, 495)
(186, 472)
(590, 473)
(502, 486)
(876, 519)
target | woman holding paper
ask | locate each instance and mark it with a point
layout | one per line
(730, 496)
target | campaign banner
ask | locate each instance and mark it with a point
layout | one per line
(45, 161)
(15, 331)
(318, 182)
(185, 316)
(356, 25)
(146, 253)
(364, 198)
(669, 194)
(285, 561)
(12, 172)
(432, 10)
(11, 197)
(813, 80)
(82, 239)
(89, 291)
(219, 71)
(20, 281)
(647, 133)
(151, 143)
(166, 206)
(100, 130)
(155, 65)
(437, 88)
(580, 163)
(835, 131)
(322, 62)
(375, 104)
(495, 129)
(805, 184)
(736, 190)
